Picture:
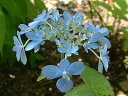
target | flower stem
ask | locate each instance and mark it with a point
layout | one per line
(62, 55)
(26, 43)
(49, 25)
(94, 53)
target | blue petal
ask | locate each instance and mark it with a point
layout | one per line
(104, 41)
(105, 61)
(23, 27)
(68, 45)
(67, 15)
(64, 85)
(41, 16)
(51, 72)
(76, 68)
(96, 37)
(31, 45)
(100, 67)
(62, 50)
(97, 28)
(90, 27)
(104, 31)
(55, 15)
(19, 37)
(78, 16)
(18, 53)
(94, 46)
(33, 24)
(74, 49)
(62, 40)
(32, 36)
(58, 42)
(64, 64)
(68, 54)
(23, 57)
(37, 48)
(16, 41)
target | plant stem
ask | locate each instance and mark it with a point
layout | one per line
(94, 53)
(26, 43)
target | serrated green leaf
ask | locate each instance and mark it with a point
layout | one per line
(80, 90)
(2, 29)
(41, 76)
(40, 5)
(97, 82)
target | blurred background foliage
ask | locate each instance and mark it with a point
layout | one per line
(112, 14)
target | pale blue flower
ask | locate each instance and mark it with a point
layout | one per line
(39, 20)
(19, 48)
(64, 84)
(23, 28)
(97, 34)
(37, 40)
(104, 59)
(55, 15)
(66, 47)
(90, 45)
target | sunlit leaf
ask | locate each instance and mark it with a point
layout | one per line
(97, 82)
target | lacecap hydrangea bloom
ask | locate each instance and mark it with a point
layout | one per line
(69, 34)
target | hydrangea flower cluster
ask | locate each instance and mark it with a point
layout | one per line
(69, 34)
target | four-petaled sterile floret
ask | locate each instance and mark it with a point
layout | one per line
(64, 84)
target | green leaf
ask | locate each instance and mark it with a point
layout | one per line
(2, 29)
(125, 44)
(39, 56)
(34, 57)
(17, 8)
(97, 82)
(41, 76)
(103, 4)
(40, 5)
(119, 6)
(80, 90)
(31, 10)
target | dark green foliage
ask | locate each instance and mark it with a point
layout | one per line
(125, 39)
(13, 13)
(33, 57)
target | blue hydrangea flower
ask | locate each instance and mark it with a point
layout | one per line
(90, 45)
(64, 84)
(78, 18)
(104, 59)
(39, 20)
(19, 48)
(97, 34)
(37, 40)
(23, 28)
(67, 17)
(55, 15)
(75, 20)
(66, 47)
